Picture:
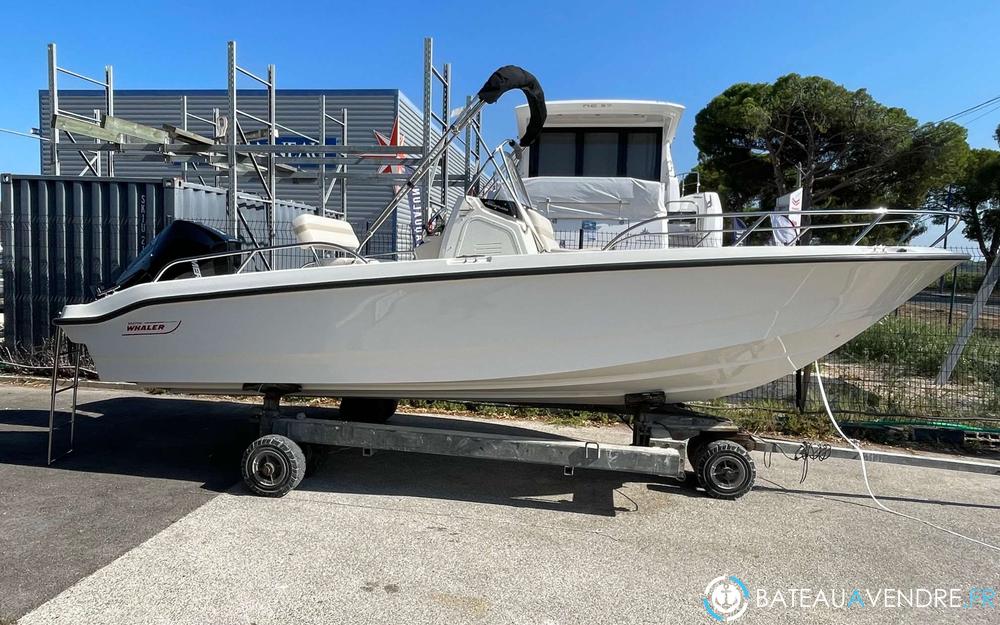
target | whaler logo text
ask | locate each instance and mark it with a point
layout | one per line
(138, 328)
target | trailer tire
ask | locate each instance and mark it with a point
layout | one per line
(725, 469)
(273, 465)
(367, 409)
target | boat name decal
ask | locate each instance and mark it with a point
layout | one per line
(142, 328)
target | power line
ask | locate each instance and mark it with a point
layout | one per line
(971, 109)
(978, 117)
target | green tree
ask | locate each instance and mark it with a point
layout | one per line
(756, 139)
(975, 195)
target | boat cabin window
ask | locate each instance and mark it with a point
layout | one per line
(600, 154)
(631, 152)
(558, 157)
(642, 159)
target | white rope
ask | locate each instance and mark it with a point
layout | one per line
(864, 472)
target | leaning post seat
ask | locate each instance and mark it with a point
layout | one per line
(543, 227)
(316, 229)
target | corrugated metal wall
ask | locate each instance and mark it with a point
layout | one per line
(65, 237)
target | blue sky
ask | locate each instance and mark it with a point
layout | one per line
(931, 58)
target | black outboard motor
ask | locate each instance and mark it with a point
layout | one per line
(180, 239)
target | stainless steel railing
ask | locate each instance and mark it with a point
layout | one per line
(253, 252)
(870, 219)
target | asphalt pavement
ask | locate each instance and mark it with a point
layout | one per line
(145, 523)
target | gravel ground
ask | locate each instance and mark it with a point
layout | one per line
(423, 539)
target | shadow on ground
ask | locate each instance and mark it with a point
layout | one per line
(177, 439)
(202, 441)
(141, 463)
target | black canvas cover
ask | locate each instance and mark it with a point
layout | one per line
(512, 77)
(180, 239)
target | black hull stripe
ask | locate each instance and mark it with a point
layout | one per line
(505, 273)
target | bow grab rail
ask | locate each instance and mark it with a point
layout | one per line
(875, 217)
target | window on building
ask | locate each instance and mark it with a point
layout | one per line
(634, 153)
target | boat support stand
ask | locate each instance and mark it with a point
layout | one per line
(72, 355)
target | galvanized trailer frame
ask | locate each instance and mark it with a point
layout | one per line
(662, 443)
(666, 442)
(569, 454)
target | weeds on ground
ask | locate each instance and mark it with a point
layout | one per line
(38, 362)
(771, 417)
(558, 416)
(918, 348)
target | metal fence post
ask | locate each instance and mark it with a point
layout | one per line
(232, 203)
(109, 106)
(445, 115)
(951, 361)
(53, 108)
(321, 207)
(272, 176)
(425, 199)
(343, 168)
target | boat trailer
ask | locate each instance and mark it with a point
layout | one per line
(667, 441)
(275, 463)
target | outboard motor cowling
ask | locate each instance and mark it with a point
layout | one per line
(180, 239)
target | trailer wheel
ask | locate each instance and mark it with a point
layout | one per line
(273, 465)
(725, 470)
(367, 409)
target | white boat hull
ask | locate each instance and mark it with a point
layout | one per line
(575, 328)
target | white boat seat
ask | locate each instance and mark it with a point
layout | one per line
(316, 229)
(545, 231)
(331, 262)
(337, 262)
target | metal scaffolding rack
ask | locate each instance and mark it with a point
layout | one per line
(233, 152)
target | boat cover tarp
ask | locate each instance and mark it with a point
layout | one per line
(568, 197)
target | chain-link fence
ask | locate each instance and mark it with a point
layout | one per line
(891, 369)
